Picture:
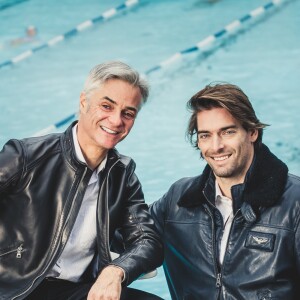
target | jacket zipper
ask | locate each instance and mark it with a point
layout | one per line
(33, 281)
(218, 268)
(107, 211)
(18, 250)
(219, 280)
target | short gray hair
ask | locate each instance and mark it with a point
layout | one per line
(116, 70)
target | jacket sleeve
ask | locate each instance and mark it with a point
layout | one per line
(297, 248)
(11, 165)
(143, 247)
(159, 212)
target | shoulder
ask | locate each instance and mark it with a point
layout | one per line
(290, 200)
(185, 184)
(31, 144)
(124, 161)
(37, 147)
(30, 150)
(18, 155)
(294, 179)
(292, 187)
(174, 201)
(182, 190)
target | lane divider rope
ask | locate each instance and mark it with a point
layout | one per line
(57, 125)
(79, 28)
(209, 42)
(10, 4)
(205, 45)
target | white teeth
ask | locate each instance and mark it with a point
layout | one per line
(108, 130)
(221, 158)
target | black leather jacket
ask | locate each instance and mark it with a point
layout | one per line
(41, 189)
(262, 258)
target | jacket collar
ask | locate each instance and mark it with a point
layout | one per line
(70, 154)
(264, 185)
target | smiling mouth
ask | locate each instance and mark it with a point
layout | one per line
(109, 130)
(221, 158)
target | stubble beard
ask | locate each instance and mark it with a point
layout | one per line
(233, 171)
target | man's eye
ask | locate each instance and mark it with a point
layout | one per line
(229, 132)
(202, 136)
(129, 115)
(105, 106)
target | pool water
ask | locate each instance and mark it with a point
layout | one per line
(263, 59)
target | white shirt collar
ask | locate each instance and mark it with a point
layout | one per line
(79, 154)
(218, 190)
(219, 194)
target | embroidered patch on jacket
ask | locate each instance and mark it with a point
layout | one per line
(260, 240)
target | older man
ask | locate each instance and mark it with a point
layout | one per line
(63, 196)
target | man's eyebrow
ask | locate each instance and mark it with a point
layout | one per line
(221, 129)
(114, 102)
(109, 99)
(228, 127)
(202, 131)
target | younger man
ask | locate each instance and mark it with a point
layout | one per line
(234, 231)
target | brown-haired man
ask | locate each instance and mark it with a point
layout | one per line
(232, 232)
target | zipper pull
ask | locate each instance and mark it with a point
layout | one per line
(19, 251)
(218, 283)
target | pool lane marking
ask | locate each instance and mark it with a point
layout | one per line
(203, 45)
(210, 41)
(79, 28)
(7, 5)
(57, 125)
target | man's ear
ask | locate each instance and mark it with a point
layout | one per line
(83, 103)
(253, 135)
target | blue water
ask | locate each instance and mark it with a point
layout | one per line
(264, 60)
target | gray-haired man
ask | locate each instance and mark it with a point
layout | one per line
(63, 196)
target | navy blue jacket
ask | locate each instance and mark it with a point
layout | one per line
(262, 258)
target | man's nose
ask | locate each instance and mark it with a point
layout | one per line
(217, 143)
(115, 119)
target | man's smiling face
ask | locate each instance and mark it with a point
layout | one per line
(107, 114)
(225, 145)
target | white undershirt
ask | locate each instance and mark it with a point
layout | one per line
(224, 205)
(80, 247)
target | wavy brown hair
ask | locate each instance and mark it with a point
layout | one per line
(227, 96)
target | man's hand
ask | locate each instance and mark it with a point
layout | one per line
(108, 285)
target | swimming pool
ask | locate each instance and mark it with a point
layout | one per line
(264, 60)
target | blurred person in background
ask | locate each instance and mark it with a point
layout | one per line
(30, 36)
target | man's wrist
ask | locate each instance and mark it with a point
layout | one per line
(115, 271)
(121, 272)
